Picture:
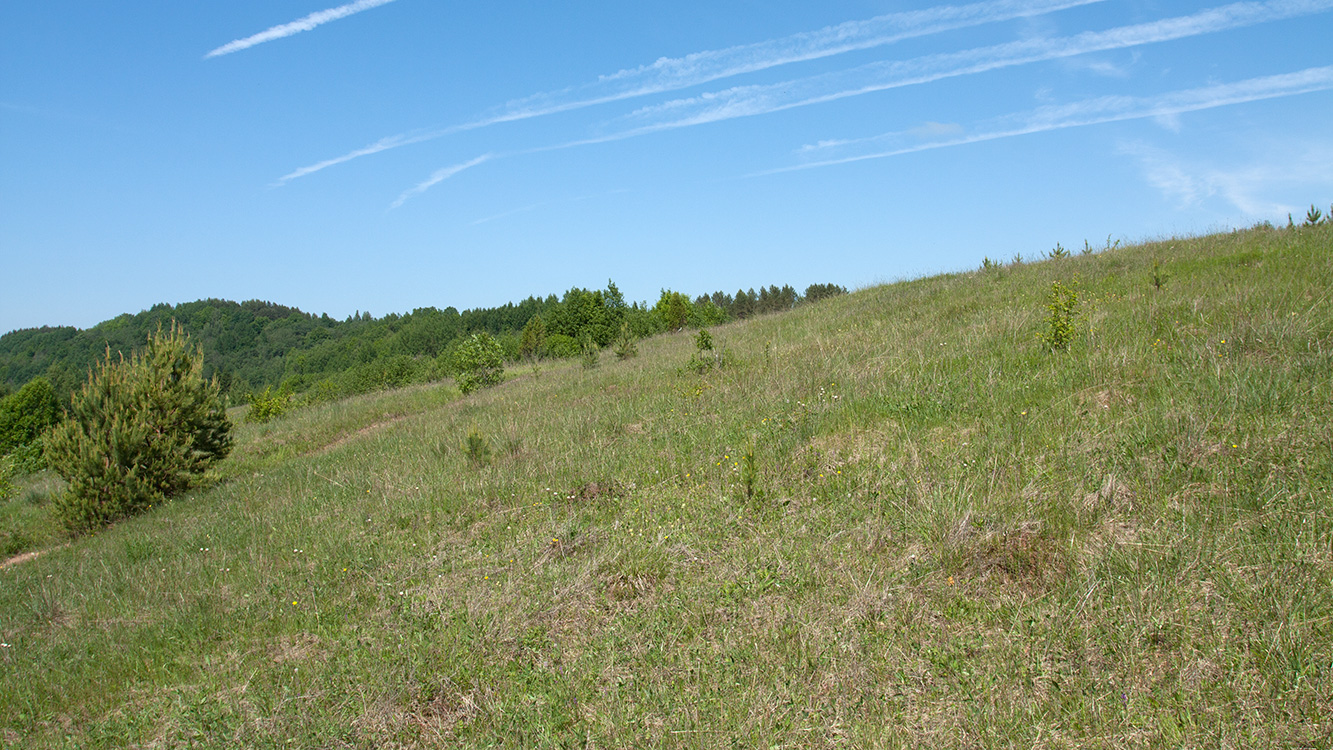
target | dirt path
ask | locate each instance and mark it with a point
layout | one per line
(364, 431)
(26, 556)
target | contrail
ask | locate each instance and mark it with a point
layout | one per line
(675, 73)
(439, 176)
(1086, 112)
(747, 101)
(295, 27)
(1053, 117)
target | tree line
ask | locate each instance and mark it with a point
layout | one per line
(256, 344)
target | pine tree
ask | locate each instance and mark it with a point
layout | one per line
(141, 430)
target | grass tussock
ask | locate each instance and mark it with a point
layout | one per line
(900, 517)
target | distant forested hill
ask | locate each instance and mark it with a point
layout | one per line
(253, 344)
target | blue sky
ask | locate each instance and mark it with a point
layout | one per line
(385, 155)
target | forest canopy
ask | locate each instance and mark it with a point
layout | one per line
(256, 344)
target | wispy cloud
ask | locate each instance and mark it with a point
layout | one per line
(295, 27)
(439, 176)
(759, 100)
(747, 101)
(1248, 186)
(1086, 112)
(384, 144)
(675, 73)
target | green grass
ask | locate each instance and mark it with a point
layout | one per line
(948, 536)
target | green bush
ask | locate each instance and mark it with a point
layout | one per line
(479, 363)
(560, 346)
(139, 431)
(28, 458)
(268, 405)
(627, 344)
(1061, 309)
(7, 472)
(673, 310)
(382, 374)
(476, 447)
(706, 357)
(324, 391)
(533, 342)
(1313, 215)
(26, 414)
(592, 353)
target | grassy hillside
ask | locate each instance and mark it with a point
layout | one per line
(894, 518)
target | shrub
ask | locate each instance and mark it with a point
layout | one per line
(479, 363)
(29, 458)
(323, 391)
(1313, 216)
(627, 344)
(1061, 308)
(139, 431)
(7, 472)
(268, 405)
(673, 310)
(560, 346)
(476, 447)
(750, 475)
(706, 313)
(382, 374)
(706, 357)
(26, 414)
(1158, 276)
(533, 341)
(592, 354)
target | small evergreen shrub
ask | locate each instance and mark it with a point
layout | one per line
(627, 344)
(139, 431)
(268, 405)
(1061, 309)
(1313, 216)
(1158, 276)
(532, 343)
(479, 363)
(1058, 252)
(750, 475)
(475, 447)
(706, 357)
(591, 353)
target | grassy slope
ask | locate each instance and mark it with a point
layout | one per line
(958, 539)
